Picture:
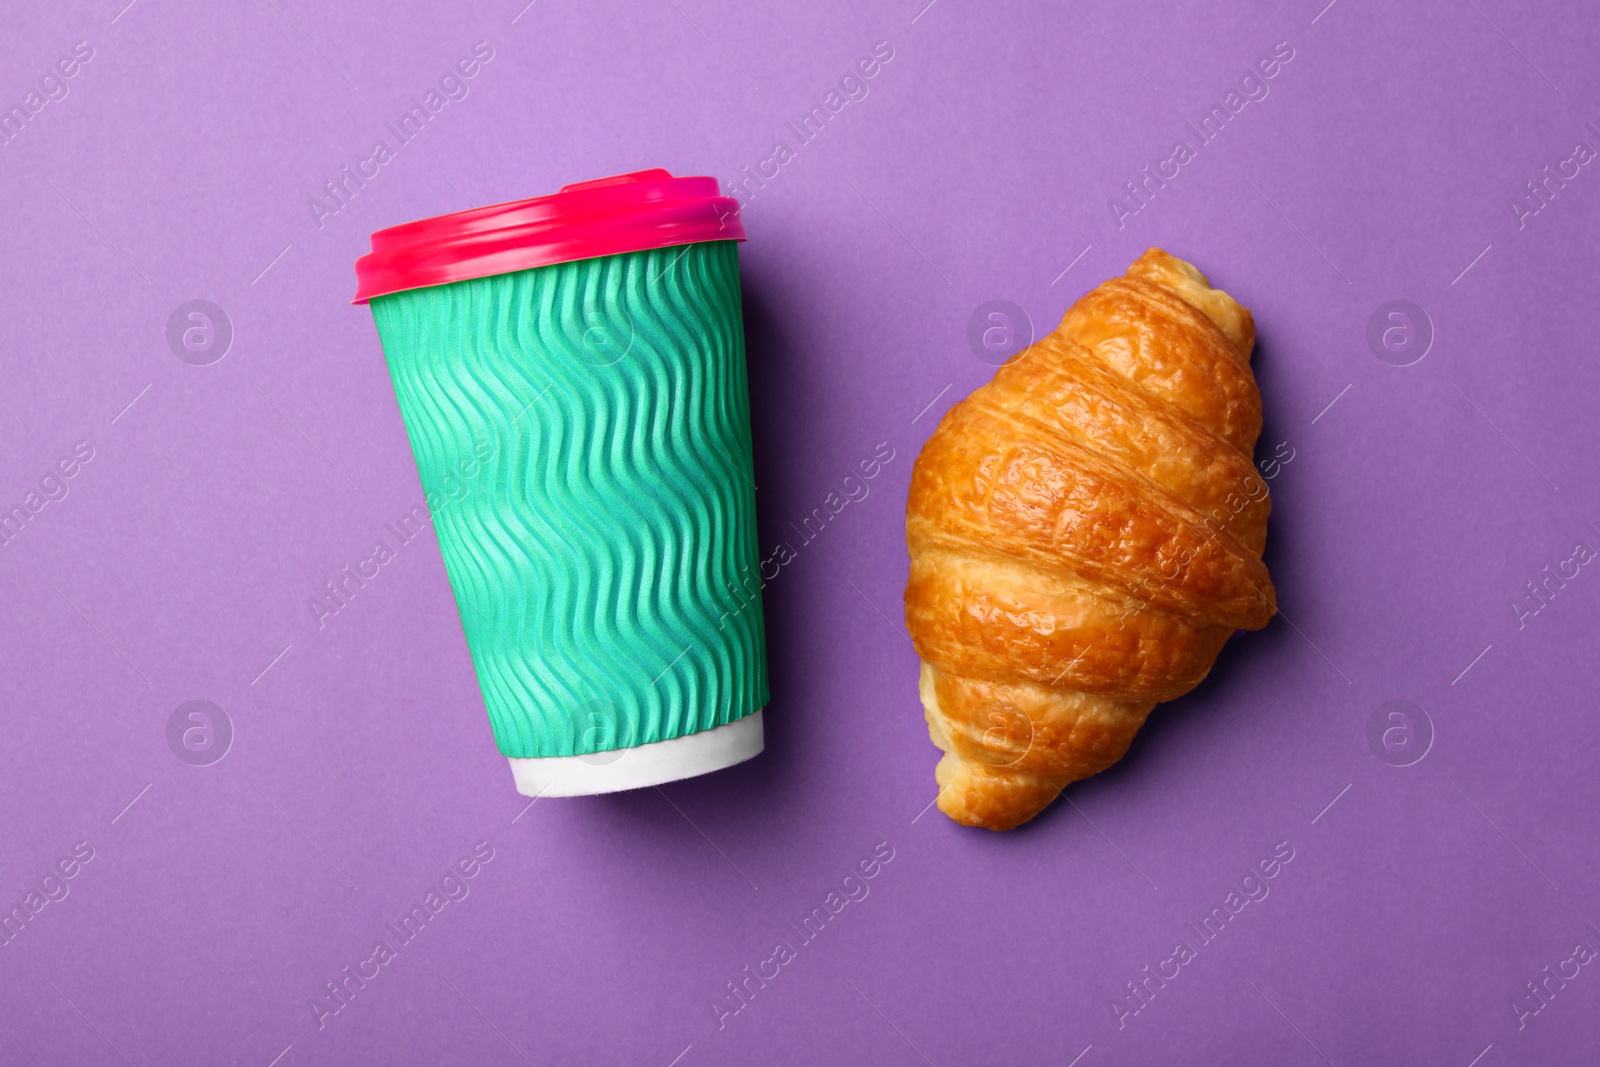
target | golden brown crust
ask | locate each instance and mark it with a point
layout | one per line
(982, 617)
(1085, 532)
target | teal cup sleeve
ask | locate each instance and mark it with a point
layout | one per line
(582, 434)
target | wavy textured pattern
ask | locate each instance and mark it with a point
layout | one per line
(604, 558)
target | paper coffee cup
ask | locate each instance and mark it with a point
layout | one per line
(571, 373)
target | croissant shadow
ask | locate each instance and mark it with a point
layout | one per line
(1272, 432)
(1243, 655)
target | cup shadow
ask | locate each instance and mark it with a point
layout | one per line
(775, 424)
(739, 792)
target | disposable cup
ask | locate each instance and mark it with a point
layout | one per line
(571, 373)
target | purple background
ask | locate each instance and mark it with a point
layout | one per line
(222, 898)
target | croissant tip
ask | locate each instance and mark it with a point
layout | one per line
(977, 820)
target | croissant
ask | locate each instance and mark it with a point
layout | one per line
(1085, 532)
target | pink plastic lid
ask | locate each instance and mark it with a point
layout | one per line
(626, 213)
